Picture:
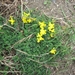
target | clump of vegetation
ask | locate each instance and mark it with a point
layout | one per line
(34, 40)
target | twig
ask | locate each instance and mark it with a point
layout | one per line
(36, 61)
(10, 27)
(10, 71)
(16, 2)
(63, 12)
(6, 63)
(23, 39)
(27, 7)
(21, 8)
(23, 52)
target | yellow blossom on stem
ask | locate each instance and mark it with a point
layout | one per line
(11, 20)
(38, 35)
(42, 31)
(24, 20)
(33, 19)
(51, 27)
(26, 14)
(53, 51)
(39, 38)
(29, 20)
(42, 24)
(25, 17)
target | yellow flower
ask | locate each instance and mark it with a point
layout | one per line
(42, 32)
(11, 20)
(29, 20)
(26, 14)
(42, 24)
(38, 35)
(33, 19)
(51, 27)
(1, 27)
(25, 17)
(24, 20)
(53, 51)
(39, 38)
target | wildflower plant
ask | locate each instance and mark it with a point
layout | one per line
(26, 18)
(11, 20)
(35, 39)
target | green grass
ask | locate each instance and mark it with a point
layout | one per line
(28, 56)
(47, 2)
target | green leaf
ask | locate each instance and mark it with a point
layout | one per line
(45, 2)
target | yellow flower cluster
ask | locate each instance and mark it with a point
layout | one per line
(42, 25)
(51, 29)
(26, 18)
(42, 31)
(11, 20)
(53, 51)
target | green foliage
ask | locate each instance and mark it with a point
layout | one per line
(47, 2)
(31, 56)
